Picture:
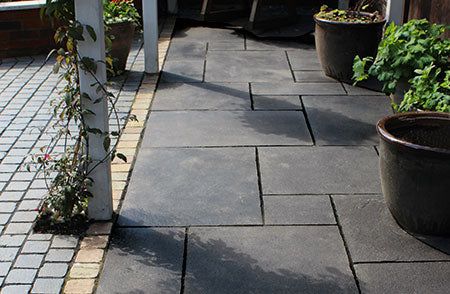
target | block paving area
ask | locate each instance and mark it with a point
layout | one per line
(37, 263)
(258, 174)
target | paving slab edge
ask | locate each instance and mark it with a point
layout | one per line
(85, 269)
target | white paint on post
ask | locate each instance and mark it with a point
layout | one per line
(343, 4)
(150, 24)
(172, 6)
(395, 11)
(90, 12)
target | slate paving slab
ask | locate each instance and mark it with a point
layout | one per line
(202, 96)
(267, 260)
(186, 71)
(373, 235)
(207, 34)
(226, 46)
(404, 277)
(352, 90)
(291, 210)
(173, 187)
(283, 102)
(304, 59)
(226, 128)
(312, 76)
(292, 88)
(247, 66)
(318, 170)
(150, 260)
(183, 51)
(274, 45)
(345, 120)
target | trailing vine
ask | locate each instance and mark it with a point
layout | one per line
(68, 174)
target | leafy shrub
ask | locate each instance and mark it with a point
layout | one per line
(404, 49)
(430, 90)
(119, 11)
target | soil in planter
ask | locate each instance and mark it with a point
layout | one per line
(76, 226)
(431, 136)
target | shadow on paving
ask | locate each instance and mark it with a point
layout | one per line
(150, 260)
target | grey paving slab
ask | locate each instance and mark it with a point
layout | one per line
(59, 255)
(226, 46)
(214, 186)
(399, 278)
(345, 120)
(148, 259)
(284, 102)
(274, 45)
(11, 240)
(267, 260)
(373, 235)
(53, 270)
(247, 66)
(182, 51)
(292, 210)
(21, 276)
(202, 96)
(305, 59)
(356, 90)
(319, 170)
(312, 76)
(4, 268)
(207, 34)
(29, 261)
(226, 128)
(8, 254)
(36, 246)
(277, 88)
(186, 71)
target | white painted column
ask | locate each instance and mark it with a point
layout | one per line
(172, 6)
(150, 24)
(343, 4)
(90, 12)
(395, 11)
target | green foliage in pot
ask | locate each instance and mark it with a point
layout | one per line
(404, 49)
(120, 11)
(430, 90)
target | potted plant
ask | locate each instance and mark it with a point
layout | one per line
(415, 168)
(121, 19)
(415, 155)
(403, 50)
(343, 34)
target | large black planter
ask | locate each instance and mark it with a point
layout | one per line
(121, 44)
(338, 43)
(415, 170)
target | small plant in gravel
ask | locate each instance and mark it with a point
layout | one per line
(353, 15)
(68, 173)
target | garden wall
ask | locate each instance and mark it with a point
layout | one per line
(22, 32)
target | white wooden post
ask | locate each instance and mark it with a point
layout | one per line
(172, 6)
(395, 11)
(150, 24)
(343, 4)
(90, 12)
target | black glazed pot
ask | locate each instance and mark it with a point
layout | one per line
(121, 44)
(415, 170)
(338, 43)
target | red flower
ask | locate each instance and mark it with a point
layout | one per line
(47, 157)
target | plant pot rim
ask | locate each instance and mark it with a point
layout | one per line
(411, 117)
(347, 23)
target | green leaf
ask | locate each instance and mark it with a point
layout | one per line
(91, 32)
(122, 157)
(107, 143)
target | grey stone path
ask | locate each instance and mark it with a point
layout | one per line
(258, 174)
(36, 262)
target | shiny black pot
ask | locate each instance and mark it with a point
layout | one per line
(338, 43)
(415, 170)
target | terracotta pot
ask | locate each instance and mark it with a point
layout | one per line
(415, 170)
(338, 43)
(121, 44)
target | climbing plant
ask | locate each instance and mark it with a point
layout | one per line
(68, 173)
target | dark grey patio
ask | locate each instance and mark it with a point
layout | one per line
(258, 174)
